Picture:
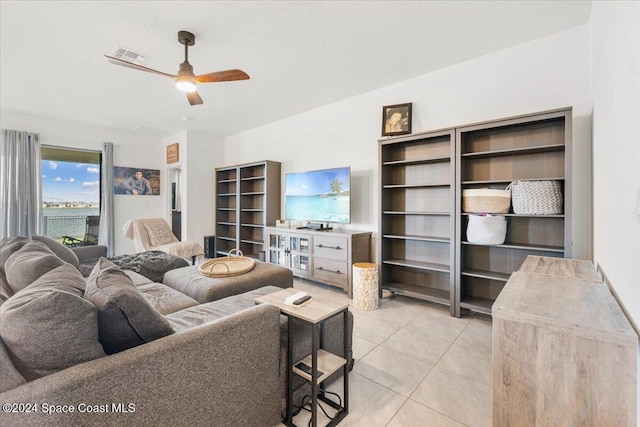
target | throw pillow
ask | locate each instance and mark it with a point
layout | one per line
(29, 263)
(63, 252)
(5, 290)
(48, 326)
(9, 246)
(9, 375)
(125, 318)
(159, 233)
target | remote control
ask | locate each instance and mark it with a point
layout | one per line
(304, 367)
(291, 298)
(302, 300)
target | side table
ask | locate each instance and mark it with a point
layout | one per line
(322, 362)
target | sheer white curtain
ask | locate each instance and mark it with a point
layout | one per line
(107, 232)
(20, 184)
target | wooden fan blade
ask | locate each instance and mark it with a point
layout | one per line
(127, 64)
(194, 98)
(221, 76)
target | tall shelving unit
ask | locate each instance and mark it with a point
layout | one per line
(226, 209)
(423, 249)
(416, 246)
(492, 155)
(247, 200)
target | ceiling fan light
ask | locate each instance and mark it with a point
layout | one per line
(186, 85)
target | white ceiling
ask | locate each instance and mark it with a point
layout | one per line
(300, 55)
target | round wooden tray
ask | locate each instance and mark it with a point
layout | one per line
(228, 266)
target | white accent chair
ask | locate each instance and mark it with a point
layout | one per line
(154, 234)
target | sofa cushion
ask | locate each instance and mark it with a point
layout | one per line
(205, 313)
(125, 318)
(88, 257)
(137, 278)
(63, 252)
(30, 262)
(159, 233)
(164, 299)
(48, 326)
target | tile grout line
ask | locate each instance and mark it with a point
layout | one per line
(441, 413)
(456, 373)
(407, 398)
(431, 370)
(466, 377)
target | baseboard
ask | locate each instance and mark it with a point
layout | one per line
(634, 325)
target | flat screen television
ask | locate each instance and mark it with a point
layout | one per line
(320, 195)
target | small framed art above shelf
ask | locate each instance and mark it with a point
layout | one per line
(396, 119)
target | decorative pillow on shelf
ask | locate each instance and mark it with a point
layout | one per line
(63, 252)
(125, 318)
(159, 233)
(49, 326)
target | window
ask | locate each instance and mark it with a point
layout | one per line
(70, 193)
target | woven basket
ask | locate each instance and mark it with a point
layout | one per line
(228, 266)
(536, 197)
(486, 200)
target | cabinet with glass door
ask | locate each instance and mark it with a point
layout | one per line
(291, 250)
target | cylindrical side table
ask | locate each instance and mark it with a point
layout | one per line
(365, 286)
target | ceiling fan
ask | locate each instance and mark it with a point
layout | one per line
(185, 79)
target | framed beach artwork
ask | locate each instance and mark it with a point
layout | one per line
(136, 181)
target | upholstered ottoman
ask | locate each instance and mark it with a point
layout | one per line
(205, 289)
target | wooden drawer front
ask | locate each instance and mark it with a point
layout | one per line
(331, 247)
(327, 270)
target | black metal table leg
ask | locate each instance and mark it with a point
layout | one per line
(322, 346)
(314, 375)
(345, 368)
(289, 367)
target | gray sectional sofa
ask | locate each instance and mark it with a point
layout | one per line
(116, 348)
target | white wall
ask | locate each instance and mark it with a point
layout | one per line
(131, 148)
(616, 147)
(176, 172)
(205, 152)
(544, 74)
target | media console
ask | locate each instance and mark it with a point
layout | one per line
(319, 255)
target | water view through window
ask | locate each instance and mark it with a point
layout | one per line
(70, 191)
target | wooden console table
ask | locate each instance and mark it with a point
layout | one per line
(563, 351)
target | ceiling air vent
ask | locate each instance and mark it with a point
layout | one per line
(129, 56)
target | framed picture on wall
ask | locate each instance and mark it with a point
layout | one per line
(173, 153)
(396, 119)
(136, 181)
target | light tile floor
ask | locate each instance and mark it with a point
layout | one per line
(415, 365)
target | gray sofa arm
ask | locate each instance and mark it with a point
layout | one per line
(90, 253)
(223, 373)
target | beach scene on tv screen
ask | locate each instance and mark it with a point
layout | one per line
(321, 195)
